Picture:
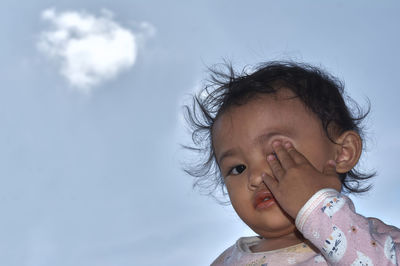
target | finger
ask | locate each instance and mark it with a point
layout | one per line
(296, 156)
(276, 167)
(283, 156)
(330, 168)
(270, 182)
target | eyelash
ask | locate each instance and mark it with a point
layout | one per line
(233, 168)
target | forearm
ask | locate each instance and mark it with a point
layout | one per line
(344, 237)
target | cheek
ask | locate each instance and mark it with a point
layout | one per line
(231, 187)
(236, 189)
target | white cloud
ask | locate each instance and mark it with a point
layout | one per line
(89, 49)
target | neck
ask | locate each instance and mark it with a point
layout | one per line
(268, 244)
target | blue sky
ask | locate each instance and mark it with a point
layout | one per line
(90, 169)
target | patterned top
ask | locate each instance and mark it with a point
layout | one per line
(329, 221)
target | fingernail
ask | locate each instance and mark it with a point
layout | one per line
(270, 157)
(276, 143)
(263, 175)
(288, 144)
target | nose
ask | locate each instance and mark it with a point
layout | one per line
(254, 178)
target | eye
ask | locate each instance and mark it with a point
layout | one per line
(237, 170)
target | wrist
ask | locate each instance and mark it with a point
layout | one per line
(311, 204)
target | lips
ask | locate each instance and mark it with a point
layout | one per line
(263, 199)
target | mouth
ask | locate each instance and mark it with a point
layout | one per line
(263, 200)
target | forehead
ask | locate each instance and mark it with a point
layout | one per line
(269, 108)
(281, 112)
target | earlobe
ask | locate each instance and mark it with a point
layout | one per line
(348, 151)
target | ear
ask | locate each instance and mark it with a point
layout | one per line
(348, 151)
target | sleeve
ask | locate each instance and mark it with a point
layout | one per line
(330, 222)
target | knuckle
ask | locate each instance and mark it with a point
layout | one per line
(290, 165)
(279, 149)
(276, 169)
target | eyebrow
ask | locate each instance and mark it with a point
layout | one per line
(261, 139)
(225, 154)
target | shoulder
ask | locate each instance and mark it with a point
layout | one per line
(225, 256)
(377, 226)
(235, 253)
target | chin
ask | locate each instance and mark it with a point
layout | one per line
(277, 227)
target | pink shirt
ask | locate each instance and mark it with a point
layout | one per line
(329, 221)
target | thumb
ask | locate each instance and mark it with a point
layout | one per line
(330, 168)
(270, 182)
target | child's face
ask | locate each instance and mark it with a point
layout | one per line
(242, 138)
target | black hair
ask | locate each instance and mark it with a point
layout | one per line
(321, 92)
